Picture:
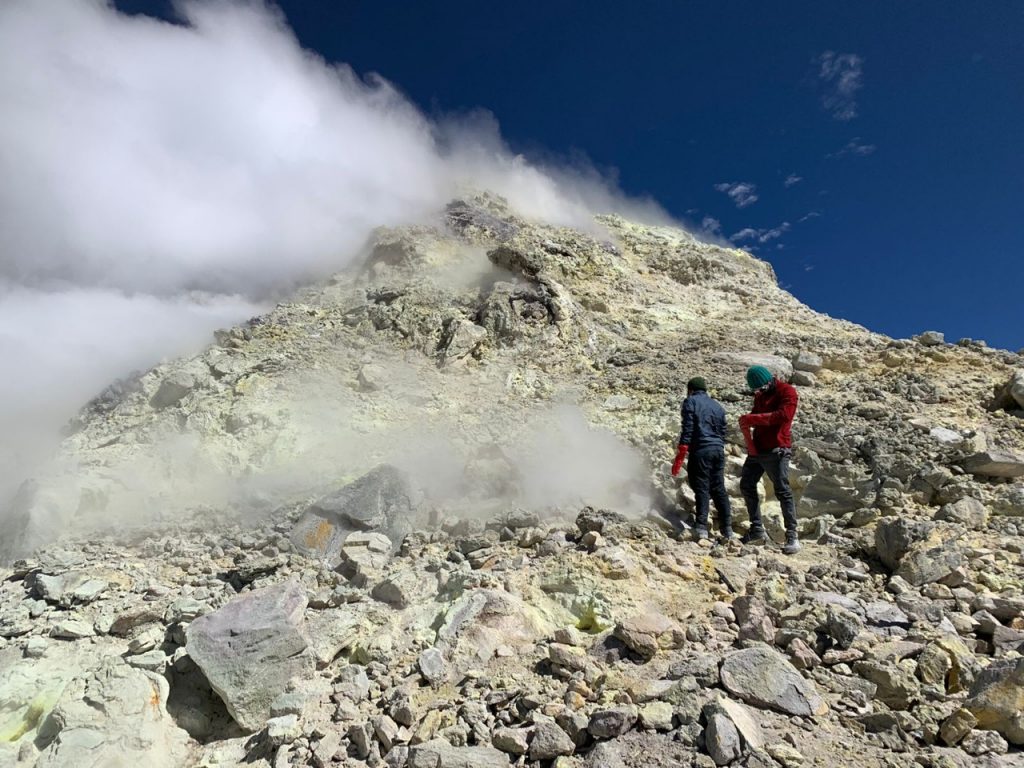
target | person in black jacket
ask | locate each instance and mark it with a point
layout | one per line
(703, 438)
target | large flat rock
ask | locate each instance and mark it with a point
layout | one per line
(995, 464)
(763, 677)
(251, 648)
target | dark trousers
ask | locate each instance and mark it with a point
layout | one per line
(705, 472)
(777, 467)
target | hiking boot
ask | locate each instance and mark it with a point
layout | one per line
(792, 545)
(700, 533)
(727, 533)
(755, 536)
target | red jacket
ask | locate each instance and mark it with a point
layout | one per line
(772, 417)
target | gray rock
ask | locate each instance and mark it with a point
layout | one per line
(463, 338)
(995, 464)
(804, 379)
(380, 501)
(656, 716)
(646, 633)
(763, 677)
(605, 755)
(721, 739)
(930, 339)
(283, 730)
(72, 629)
(402, 589)
(897, 688)
(433, 666)
(113, 715)
(745, 722)
(251, 648)
(978, 743)
(927, 564)
(967, 511)
(842, 625)
(881, 613)
(613, 722)
(895, 536)
(807, 361)
(514, 741)
(550, 741)
(996, 699)
(174, 387)
(154, 661)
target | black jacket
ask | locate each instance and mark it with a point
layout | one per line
(703, 422)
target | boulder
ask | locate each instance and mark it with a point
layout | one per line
(930, 339)
(379, 501)
(894, 538)
(967, 511)
(956, 726)
(807, 361)
(550, 741)
(173, 389)
(896, 687)
(252, 648)
(763, 677)
(995, 464)
(996, 699)
(925, 564)
(721, 739)
(613, 722)
(647, 633)
(114, 715)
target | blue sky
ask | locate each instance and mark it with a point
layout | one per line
(870, 150)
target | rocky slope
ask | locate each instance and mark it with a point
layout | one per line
(420, 515)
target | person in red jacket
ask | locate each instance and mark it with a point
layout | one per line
(770, 447)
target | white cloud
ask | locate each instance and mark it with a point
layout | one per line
(710, 225)
(743, 193)
(808, 216)
(791, 180)
(160, 180)
(854, 146)
(761, 235)
(841, 76)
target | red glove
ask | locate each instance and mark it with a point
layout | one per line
(680, 458)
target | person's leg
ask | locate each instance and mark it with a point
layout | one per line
(749, 478)
(699, 478)
(777, 468)
(720, 495)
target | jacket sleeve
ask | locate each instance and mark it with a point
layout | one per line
(784, 413)
(722, 427)
(686, 435)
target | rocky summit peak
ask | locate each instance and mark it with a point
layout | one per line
(420, 514)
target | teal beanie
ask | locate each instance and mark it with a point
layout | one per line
(758, 376)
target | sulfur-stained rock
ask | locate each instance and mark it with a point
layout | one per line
(996, 699)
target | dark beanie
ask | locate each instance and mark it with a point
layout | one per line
(697, 383)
